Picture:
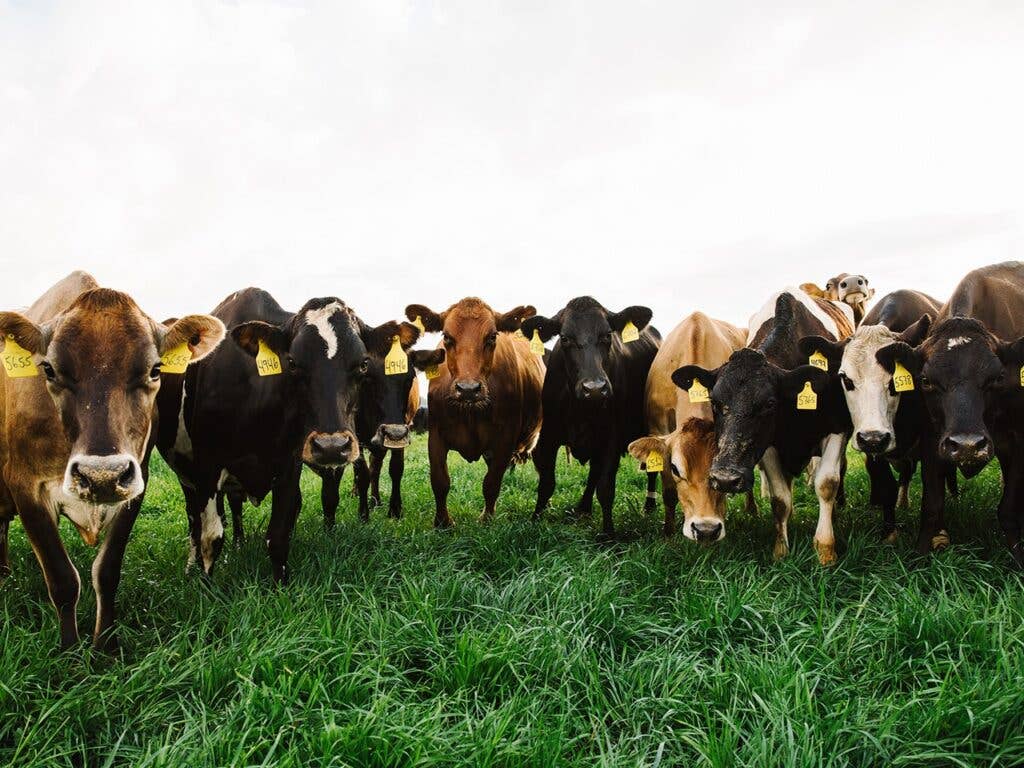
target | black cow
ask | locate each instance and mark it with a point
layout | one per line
(593, 395)
(761, 400)
(251, 413)
(969, 369)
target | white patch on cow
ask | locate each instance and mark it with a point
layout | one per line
(224, 477)
(872, 406)
(321, 320)
(826, 485)
(767, 311)
(957, 341)
(780, 490)
(652, 494)
(213, 531)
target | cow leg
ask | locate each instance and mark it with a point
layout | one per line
(363, 483)
(330, 495)
(287, 499)
(906, 469)
(670, 498)
(1007, 511)
(751, 505)
(841, 493)
(780, 490)
(62, 581)
(106, 573)
(606, 491)
(236, 501)
(933, 534)
(883, 493)
(206, 531)
(585, 507)
(544, 456)
(376, 465)
(492, 481)
(440, 480)
(951, 483)
(827, 478)
(651, 502)
(5, 561)
(396, 468)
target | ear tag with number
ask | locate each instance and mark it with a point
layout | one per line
(176, 360)
(807, 400)
(267, 361)
(629, 332)
(1022, 375)
(418, 322)
(18, 360)
(396, 361)
(536, 345)
(432, 372)
(519, 334)
(698, 393)
(818, 360)
(902, 381)
(654, 462)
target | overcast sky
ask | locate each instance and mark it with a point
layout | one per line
(684, 155)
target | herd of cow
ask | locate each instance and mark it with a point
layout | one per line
(93, 384)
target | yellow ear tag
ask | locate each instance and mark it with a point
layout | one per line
(267, 361)
(629, 332)
(396, 361)
(818, 360)
(432, 371)
(1022, 375)
(176, 360)
(536, 345)
(902, 381)
(519, 334)
(418, 322)
(654, 462)
(698, 393)
(807, 400)
(18, 360)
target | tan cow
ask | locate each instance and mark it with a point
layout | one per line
(683, 432)
(851, 290)
(82, 369)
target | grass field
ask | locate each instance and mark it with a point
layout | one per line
(514, 644)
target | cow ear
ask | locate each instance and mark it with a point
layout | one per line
(812, 289)
(638, 316)
(512, 320)
(685, 376)
(379, 340)
(425, 358)
(916, 333)
(832, 350)
(202, 334)
(641, 448)
(791, 383)
(29, 336)
(899, 352)
(546, 327)
(870, 294)
(249, 335)
(432, 322)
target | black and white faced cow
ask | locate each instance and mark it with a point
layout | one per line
(887, 413)
(283, 393)
(774, 409)
(969, 371)
(593, 395)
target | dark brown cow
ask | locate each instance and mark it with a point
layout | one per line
(77, 404)
(485, 400)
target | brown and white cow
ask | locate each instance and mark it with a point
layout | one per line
(76, 407)
(486, 398)
(681, 431)
(852, 290)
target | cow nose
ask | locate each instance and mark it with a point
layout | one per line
(873, 441)
(966, 448)
(393, 435)
(706, 531)
(331, 449)
(105, 479)
(595, 388)
(727, 480)
(467, 389)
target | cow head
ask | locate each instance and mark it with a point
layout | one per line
(101, 363)
(868, 387)
(687, 455)
(589, 333)
(384, 397)
(748, 394)
(324, 353)
(961, 369)
(845, 288)
(470, 330)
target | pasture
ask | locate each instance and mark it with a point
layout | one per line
(514, 644)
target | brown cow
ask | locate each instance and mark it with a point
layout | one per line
(681, 432)
(485, 400)
(77, 417)
(848, 289)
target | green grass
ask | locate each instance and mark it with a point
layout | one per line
(513, 644)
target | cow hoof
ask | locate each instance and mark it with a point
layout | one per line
(940, 541)
(395, 513)
(5, 571)
(826, 552)
(903, 499)
(780, 550)
(106, 643)
(668, 531)
(890, 537)
(606, 537)
(443, 522)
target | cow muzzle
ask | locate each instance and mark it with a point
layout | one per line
(594, 390)
(469, 391)
(392, 436)
(705, 530)
(874, 442)
(853, 289)
(970, 452)
(330, 449)
(730, 480)
(103, 480)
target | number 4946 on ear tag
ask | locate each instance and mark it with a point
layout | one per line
(396, 361)
(629, 332)
(267, 361)
(807, 400)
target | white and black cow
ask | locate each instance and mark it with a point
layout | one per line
(762, 402)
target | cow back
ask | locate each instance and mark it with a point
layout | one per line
(994, 295)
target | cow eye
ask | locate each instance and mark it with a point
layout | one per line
(847, 382)
(154, 372)
(492, 339)
(51, 375)
(449, 341)
(364, 366)
(675, 469)
(292, 365)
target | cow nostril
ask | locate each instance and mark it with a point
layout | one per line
(127, 477)
(79, 476)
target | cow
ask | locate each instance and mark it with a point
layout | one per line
(773, 408)
(485, 400)
(681, 430)
(969, 371)
(282, 393)
(83, 368)
(886, 424)
(845, 288)
(593, 397)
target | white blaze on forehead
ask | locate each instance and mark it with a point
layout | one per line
(957, 341)
(321, 320)
(768, 310)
